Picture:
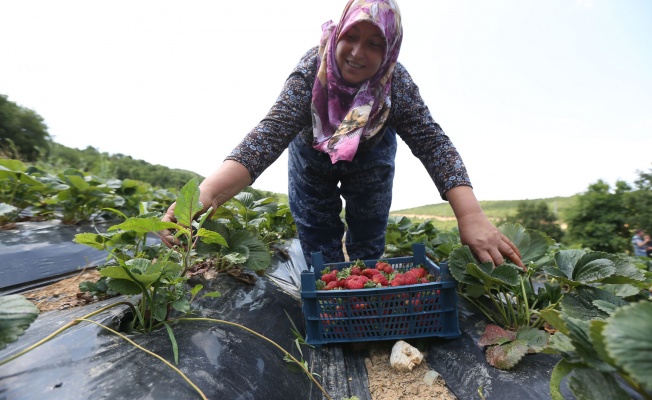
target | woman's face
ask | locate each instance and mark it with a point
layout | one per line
(360, 52)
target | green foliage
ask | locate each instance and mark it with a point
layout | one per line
(117, 166)
(18, 190)
(261, 216)
(16, 315)
(159, 276)
(597, 348)
(536, 215)
(240, 248)
(72, 195)
(402, 232)
(505, 294)
(599, 222)
(158, 273)
(23, 133)
(78, 197)
(583, 285)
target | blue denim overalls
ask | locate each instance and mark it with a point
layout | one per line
(365, 183)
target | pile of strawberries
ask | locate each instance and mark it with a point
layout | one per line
(358, 276)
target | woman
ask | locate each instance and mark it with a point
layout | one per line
(339, 113)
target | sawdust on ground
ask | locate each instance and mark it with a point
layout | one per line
(385, 383)
(63, 294)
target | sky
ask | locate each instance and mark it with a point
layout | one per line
(541, 98)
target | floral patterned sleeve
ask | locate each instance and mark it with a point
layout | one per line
(289, 115)
(425, 138)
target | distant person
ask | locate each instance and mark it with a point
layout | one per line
(648, 248)
(640, 243)
(339, 113)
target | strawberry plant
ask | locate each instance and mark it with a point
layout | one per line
(263, 217)
(158, 277)
(598, 342)
(402, 232)
(80, 196)
(505, 294)
(19, 190)
(517, 303)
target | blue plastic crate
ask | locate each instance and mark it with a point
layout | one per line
(389, 313)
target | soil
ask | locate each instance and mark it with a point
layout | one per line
(385, 383)
(63, 294)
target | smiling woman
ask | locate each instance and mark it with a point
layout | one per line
(338, 115)
(360, 52)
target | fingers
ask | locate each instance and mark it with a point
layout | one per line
(166, 236)
(512, 253)
(503, 251)
(168, 239)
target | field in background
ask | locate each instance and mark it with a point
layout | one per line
(443, 218)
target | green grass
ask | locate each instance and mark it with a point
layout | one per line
(442, 214)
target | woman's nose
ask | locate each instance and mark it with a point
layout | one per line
(356, 49)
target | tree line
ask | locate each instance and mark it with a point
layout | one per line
(24, 136)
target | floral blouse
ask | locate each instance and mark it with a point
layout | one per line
(409, 116)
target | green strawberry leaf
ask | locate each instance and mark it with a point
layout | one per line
(536, 339)
(589, 384)
(561, 370)
(629, 343)
(188, 203)
(16, 315)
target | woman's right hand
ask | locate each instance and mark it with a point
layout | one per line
(166, 236)
(216, 189)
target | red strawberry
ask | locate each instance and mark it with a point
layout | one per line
(355, 270)
(380, 265)
(409, 278)
(331, 285)
(384, 266)
(329, 277)
(424, 280)
(356, 282)
(420, 272)
(395, 282)
(380, 278)
(369, 273)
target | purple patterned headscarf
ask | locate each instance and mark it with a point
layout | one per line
(344, 115)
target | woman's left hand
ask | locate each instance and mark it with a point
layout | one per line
(487, 243)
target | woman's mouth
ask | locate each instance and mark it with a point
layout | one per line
(354, 64)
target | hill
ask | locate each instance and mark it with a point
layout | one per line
(443, 217)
